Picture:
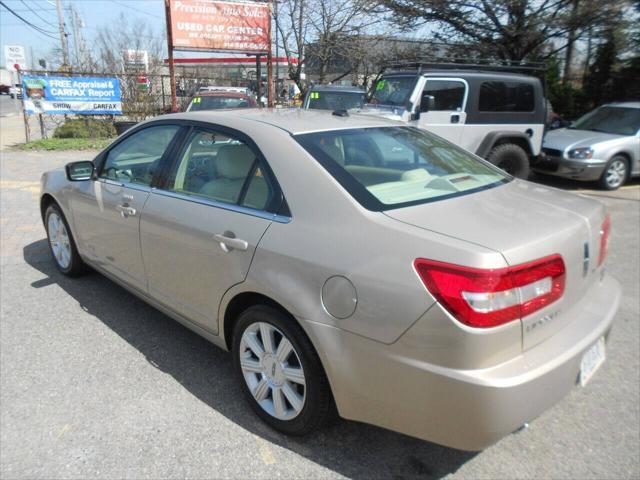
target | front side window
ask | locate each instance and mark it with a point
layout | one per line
(136, 158)
(393, 91)
(392, 167)
(335, 100)
(614, 120)
(221, 168)
(448, 94)
(506, 97)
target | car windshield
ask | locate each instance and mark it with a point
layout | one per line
(394, 91)
(328, 100)
(615, 120)
(391, 167)
(216, 102)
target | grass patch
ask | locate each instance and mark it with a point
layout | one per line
(65, 144)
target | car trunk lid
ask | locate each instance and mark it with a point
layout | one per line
(524, 222)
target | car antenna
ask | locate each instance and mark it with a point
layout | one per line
(340, 113)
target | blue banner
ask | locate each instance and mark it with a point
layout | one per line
(72, 95)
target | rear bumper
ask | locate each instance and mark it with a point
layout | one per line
(464, 409)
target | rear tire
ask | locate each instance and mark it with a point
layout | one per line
(615, 173)
(511, 158)
(61, 243)
(293, 407)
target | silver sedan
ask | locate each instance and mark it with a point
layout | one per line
(350, 264)
(603, 146)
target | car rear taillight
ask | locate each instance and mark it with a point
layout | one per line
(487, 298)
(605, 230)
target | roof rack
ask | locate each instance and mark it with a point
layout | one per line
(469, 64)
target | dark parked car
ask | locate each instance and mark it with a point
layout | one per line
(332, 97)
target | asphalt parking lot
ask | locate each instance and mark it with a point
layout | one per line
(95, 383)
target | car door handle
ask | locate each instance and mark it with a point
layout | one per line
(455, 118)
(126, 211)
(228, 242)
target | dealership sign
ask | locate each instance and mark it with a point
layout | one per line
(72, 95)
(220, 26)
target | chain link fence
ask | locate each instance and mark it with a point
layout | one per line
(143, 95)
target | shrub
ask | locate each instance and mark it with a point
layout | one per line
(85, 128)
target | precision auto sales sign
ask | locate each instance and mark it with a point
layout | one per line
(220, 26)
(79, 95)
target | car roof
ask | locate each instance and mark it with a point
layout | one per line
(336, 88)
(292, 120)
(483, 75)
(222, 94)
(623, 104)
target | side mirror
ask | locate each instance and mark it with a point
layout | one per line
(427, 103)
(79, 171)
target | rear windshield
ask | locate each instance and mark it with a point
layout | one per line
(392, 167)
(616, 120)
(214, 103)
(335, 100)
(394, 91)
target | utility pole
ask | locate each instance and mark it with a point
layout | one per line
(275, 16)
(63, 35)
(76, 36)
(269, 68)
(172, 70)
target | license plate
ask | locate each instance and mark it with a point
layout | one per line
(591, 361)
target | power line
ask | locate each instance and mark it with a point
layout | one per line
(122, 4)
(35, 27)
(37, 14)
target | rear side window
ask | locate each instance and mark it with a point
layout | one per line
(218, 167)
(506, 97)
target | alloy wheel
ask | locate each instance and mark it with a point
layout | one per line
(272, 370)
(616, 173)
(59, 240)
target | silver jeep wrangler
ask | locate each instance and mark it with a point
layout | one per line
(498, 115)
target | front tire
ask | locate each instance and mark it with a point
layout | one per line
(511, 158)
(615, 173)
(61, 243)
(280, 372)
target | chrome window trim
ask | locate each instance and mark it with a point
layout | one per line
(224, 206)
(133, 186)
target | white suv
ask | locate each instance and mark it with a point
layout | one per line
(497, 115)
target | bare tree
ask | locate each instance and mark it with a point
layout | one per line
(291, 23)
(320, 29)
(334, 23)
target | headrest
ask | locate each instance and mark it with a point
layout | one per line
(234, 161)
(334, 152)
(415, 175)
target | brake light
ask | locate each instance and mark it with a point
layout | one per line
(605, 230)
(487, 298)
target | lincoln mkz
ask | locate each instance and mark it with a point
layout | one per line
(351, 265)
